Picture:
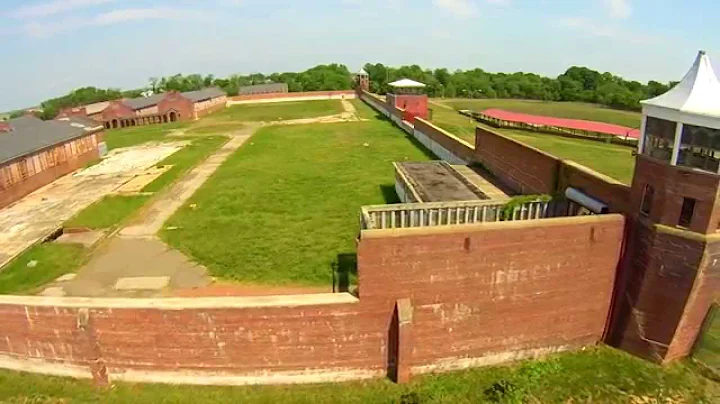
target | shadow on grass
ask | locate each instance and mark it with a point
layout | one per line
(344, 270)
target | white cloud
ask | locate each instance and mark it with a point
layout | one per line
(589, 27)
(44, 29)
(54, 7)
(619, 8)
(458, 8)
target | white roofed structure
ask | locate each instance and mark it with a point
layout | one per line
(362, 72)
(682, 126)
(695, 100)
(406, 83)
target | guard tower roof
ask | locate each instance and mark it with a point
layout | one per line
(406, 83)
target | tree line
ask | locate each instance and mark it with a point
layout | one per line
(576, 84)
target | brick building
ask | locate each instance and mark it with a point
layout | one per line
(166, 107)
(34, 153)
(410, 96)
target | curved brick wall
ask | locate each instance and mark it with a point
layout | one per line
(432, 299)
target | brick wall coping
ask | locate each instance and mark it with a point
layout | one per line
(685, 233)
(490, 226)
(446, 133)
(592, 172)
(181, 303)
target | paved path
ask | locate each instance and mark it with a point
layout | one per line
(43, 212)
(136, 256)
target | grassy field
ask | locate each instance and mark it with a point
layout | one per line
(598, 375)
(53, 260)
(185, 159)
(571, 110)
(288, 201)
(127, 137)
(363, 110)
(612, 160)
(107, 213)
(278, 111)
(708, 347)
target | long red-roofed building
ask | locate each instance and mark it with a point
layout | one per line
(571, 124)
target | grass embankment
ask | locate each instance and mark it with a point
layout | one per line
(289, 200)
(108, 212)
(364, 111)
(612, 160)
(52, 261)
(708, 347)
(598, 375)
(267, 112)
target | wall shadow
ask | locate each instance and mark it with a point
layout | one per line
(389, 194)
(344, 272)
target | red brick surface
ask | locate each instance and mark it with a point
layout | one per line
(489, 289)
(174, 101)
(525, 169)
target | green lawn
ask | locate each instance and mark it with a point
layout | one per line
(53, 260)
(127, 137)
(364, 111)
(284, 208)
(571, 110)
(278, 111)
(708, 347)
(185, 159)
(108, 212)
(597, 375)
(211, 128)
(612, 160)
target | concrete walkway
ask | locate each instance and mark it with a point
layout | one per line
(136, 263)
(38, 215)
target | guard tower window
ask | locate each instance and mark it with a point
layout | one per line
(686, 213)
(700, 148)
(647, 199)
(659, 139)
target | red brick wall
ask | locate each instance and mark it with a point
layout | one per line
(672, 184)
(415, 105)
(496, 288)
(291, 95)
(175, 101)
(117, 110)
(606, 189)
(527, 170)
(18, 190)
(451, 143)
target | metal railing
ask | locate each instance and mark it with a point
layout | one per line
(411, 215)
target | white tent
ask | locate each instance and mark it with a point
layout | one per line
(695, 100)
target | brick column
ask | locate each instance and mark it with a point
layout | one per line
(91, 347)
(404, 314)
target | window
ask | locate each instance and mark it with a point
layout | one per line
(659, 139)
(686, 213)
(647, 200)
(700, 148)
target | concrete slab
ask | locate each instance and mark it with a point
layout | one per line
(66, 278)
(136, 184)
(54, 291)
(124, 257)
(39, 214)
(86, 238)
(142, 283)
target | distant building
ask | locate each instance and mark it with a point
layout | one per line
(34, 152)
(273, 88)
(410, 96)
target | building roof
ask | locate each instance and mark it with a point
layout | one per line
(406, 83)
(362, 72)
(96, 108)
(576, 124)
(144, 102)
(29, 134)
(263, 89)
(697, 94)
(82, 122)
(204, 94)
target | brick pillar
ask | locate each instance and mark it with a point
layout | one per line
(91, 347)
(402, 341)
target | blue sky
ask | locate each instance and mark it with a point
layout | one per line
(52, 46)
